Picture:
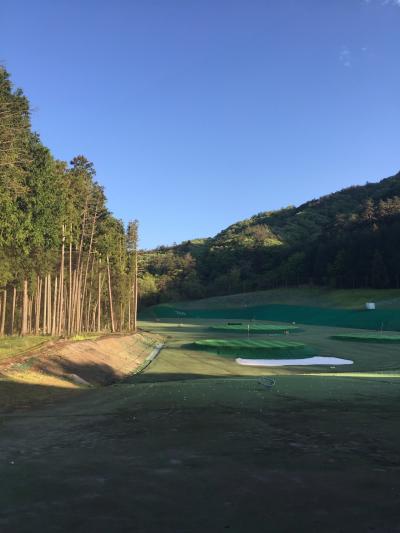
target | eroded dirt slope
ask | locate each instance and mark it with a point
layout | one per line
(72, 364)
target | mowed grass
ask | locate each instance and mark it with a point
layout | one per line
(199, 443)
(248, 343)
(253, 348)
(254, 328)
(369, 337)
(367, 357)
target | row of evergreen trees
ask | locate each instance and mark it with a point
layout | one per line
(66, 264)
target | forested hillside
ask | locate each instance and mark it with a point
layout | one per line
(348, 239)
(66, 264)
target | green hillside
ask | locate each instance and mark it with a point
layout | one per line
(346, 240)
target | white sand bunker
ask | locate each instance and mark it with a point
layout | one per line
(332, 361)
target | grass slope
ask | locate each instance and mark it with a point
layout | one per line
(13, 346)
(313, 306)
(304, 296)
(369, 337)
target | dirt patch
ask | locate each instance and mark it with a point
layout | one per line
(102, 361)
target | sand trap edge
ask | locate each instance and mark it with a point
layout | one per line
(332, 361)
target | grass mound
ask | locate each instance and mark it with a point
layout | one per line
(254, 328)
(254, 349)
(368, 337)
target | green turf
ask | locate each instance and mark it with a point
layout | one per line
(254, 349)
(184, 357)
(369, 337)
(199, 443)
(249, 343)
(254, 328)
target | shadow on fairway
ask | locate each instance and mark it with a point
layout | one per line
(92, 373)
(75, 379)
(18, 397)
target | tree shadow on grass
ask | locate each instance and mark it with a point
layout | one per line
(21, 397)
(91, 373)
(50, 381)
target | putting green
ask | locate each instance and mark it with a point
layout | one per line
(253, 348)
(254, 328)
(369, 337)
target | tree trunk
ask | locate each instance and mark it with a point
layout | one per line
(13, 310)
(110, 296)
(49, 304)
(73, 303)
(99, 301)
(88, 261)
(61, 288)
(54, 317)
(135, 300)
(78, 303)
(30, 306)
(24, 325)
(89, 304)
(38, 306)
(3, 314)
(45, 307)
(70, 283)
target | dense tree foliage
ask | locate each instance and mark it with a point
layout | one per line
(65, 263)
(348, 239)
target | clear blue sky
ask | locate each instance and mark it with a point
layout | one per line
(199, 113)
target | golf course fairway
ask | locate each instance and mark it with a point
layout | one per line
(196, 442)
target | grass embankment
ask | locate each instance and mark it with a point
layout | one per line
(305, 306)
(16, 345)
(53, 370)
(308, 296)
(13, 346)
